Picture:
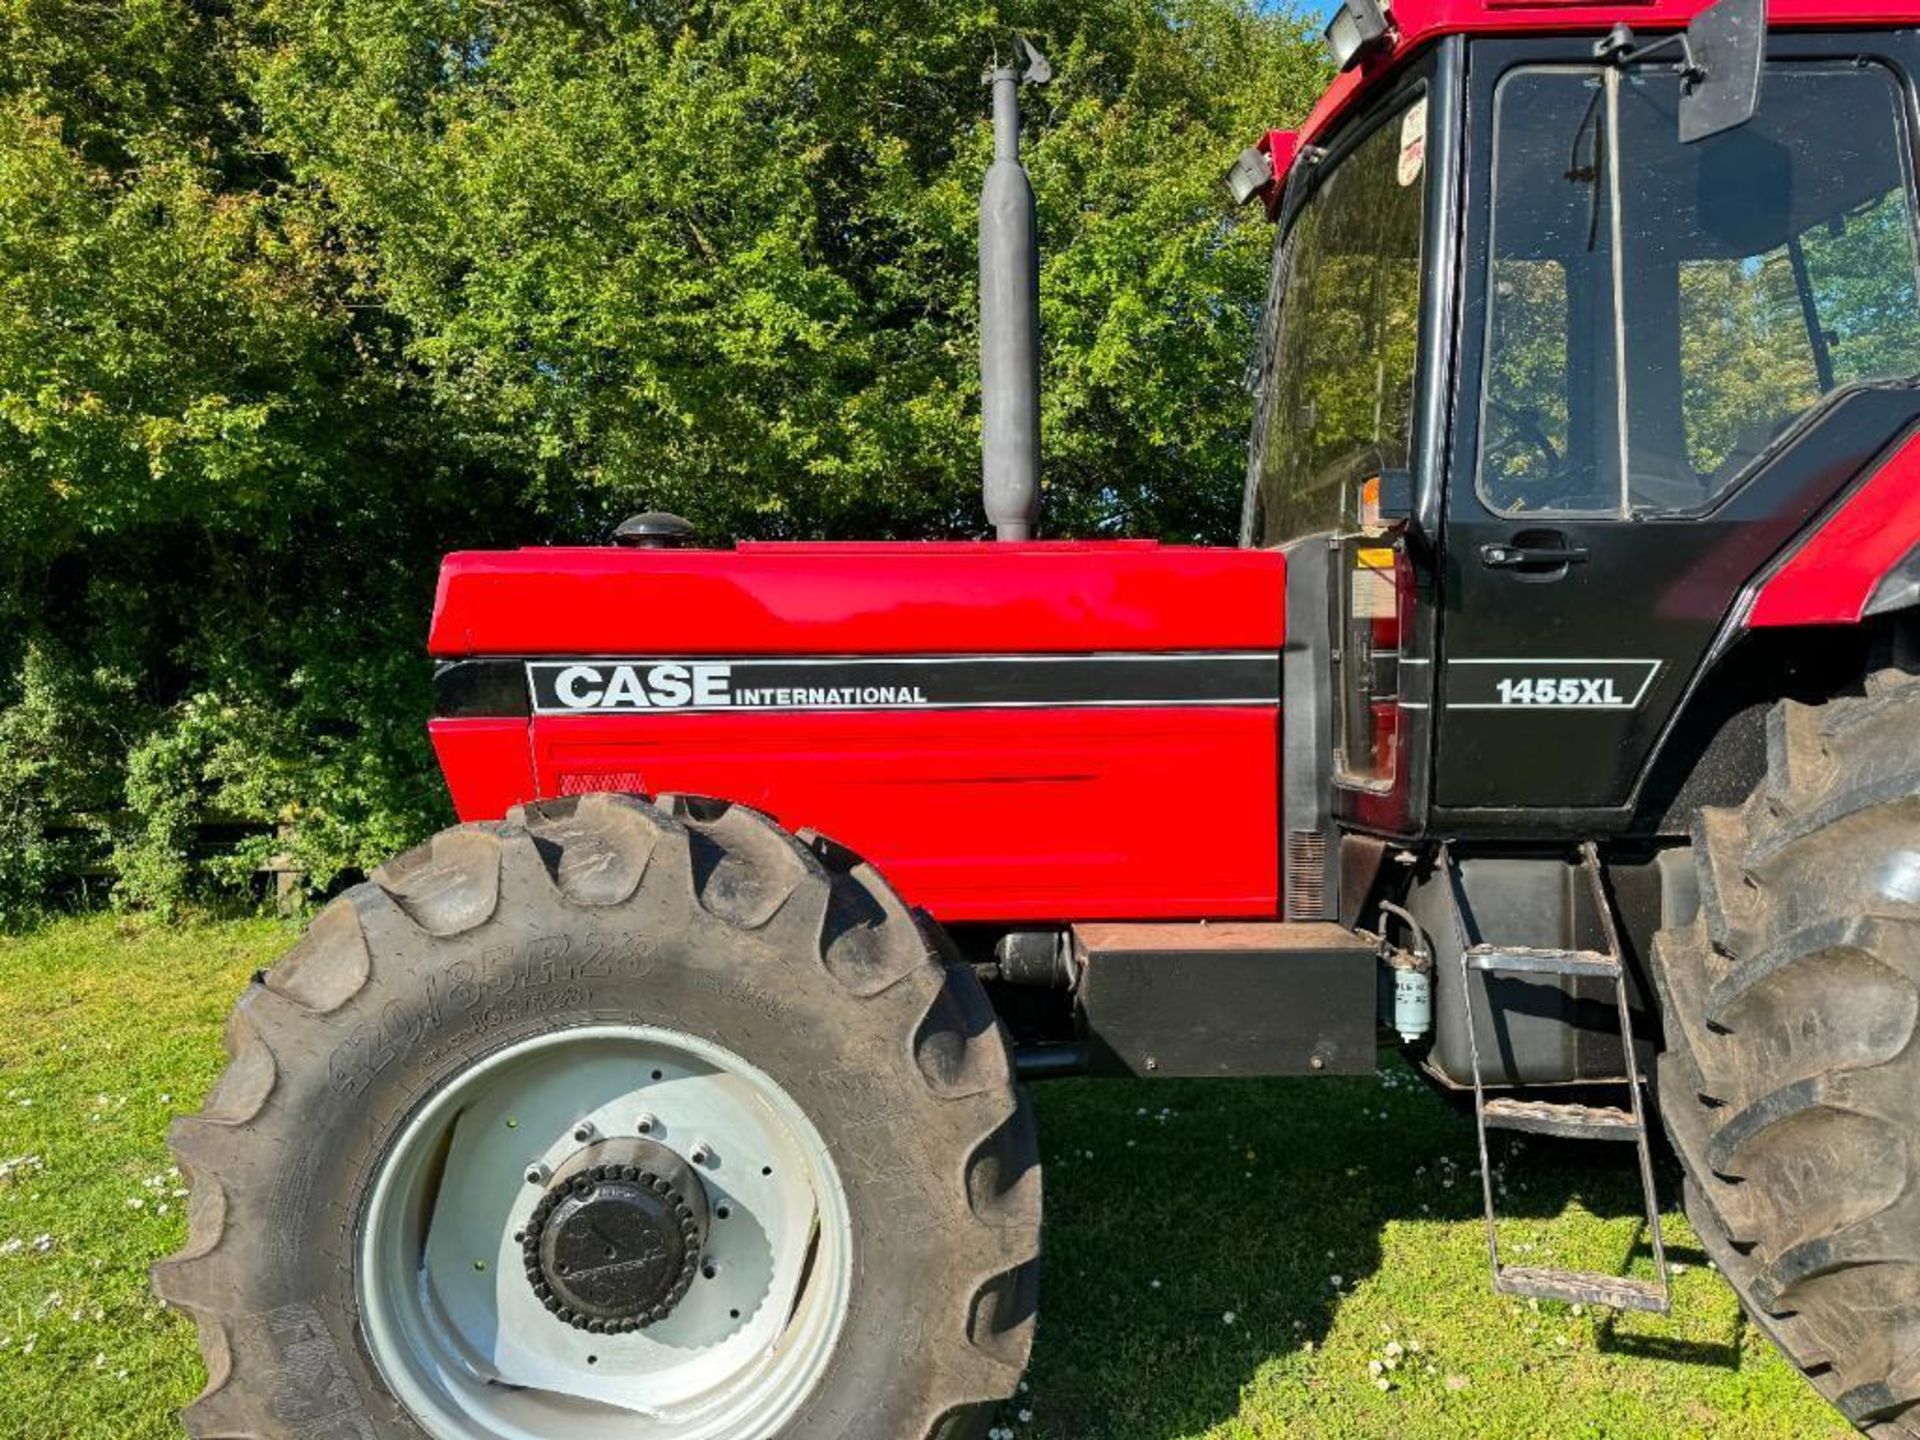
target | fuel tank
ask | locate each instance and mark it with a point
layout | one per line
(1010, 732)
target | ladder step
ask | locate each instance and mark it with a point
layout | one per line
(1619, 1291)
(1519, 960)
(1573, 1122)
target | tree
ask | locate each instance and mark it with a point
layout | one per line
(722, 259)
(296, 295)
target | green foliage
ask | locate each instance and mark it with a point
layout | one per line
(54, 787)
(295, 295)
(725, 259)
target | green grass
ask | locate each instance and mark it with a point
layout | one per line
(1170, 1205)
(107, 1030)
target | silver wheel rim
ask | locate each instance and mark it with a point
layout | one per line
(453, 1323)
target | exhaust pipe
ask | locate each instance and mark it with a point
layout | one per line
(1010, 313)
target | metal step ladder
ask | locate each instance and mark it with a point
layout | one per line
(1543, 1117)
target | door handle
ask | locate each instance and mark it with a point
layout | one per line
(1516, 556)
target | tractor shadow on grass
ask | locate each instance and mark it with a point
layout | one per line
(1719, 1354)
(1197, 1231)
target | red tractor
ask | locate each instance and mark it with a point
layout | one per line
(1557, 721)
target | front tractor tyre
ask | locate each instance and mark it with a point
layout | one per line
(1791, 1085)
(611, 1119)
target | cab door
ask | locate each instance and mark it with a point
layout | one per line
(1649, 329)
(1552, 661)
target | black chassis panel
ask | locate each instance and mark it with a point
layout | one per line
(1164, 1001)
(1529, 1029)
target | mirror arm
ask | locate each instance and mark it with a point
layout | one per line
(1722, 58)
(1621, 48)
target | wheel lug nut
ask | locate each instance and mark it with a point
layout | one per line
(646, 1124)
(701, 1154)
(584, 1131)
(538, 1174)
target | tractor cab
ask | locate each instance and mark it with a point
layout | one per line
(1572, 328)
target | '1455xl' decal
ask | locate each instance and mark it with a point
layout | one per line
(1525, 684)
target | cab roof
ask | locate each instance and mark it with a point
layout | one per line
(1416, 23)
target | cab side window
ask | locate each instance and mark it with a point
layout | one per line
(1337, 394)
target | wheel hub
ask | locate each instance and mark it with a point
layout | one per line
(615, 1242)
(463, 1317)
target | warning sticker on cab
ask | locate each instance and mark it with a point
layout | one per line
(1413, 143)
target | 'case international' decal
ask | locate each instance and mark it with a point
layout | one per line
(647, 684)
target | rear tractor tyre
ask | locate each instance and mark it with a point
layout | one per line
(611, 1119)
(1791, 1083)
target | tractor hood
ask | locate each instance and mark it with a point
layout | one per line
(998, 726)
(857, 598)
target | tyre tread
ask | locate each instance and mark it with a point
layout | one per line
(1793, 1018)
(739, 866)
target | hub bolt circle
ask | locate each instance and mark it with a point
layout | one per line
(615, 1242)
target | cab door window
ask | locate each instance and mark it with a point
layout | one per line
(1660, 313)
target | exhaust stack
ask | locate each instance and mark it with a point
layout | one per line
(1010, 313)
